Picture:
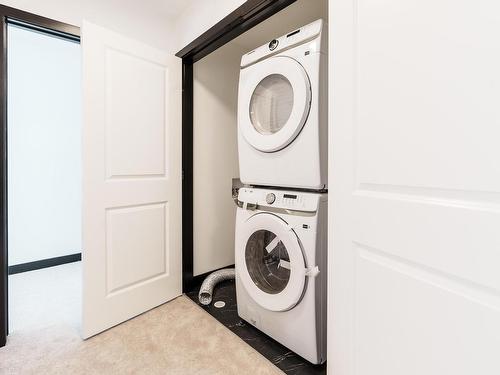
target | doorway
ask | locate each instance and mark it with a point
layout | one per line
(41, 173)
(43, 177)
(211, 162)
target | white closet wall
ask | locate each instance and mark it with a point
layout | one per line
(215, 156)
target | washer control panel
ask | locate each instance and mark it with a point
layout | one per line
(270, 198)
(299, 201)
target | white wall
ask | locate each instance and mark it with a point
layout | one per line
(201, 16)
(215, 157)
(145, 21)
(44, 146)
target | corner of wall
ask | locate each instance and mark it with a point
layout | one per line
(201, 16)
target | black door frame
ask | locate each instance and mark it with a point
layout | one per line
(10, 15)
(248, 15)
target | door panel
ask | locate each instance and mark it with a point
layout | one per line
(126, 93)
(444, 325)
(131, 191)
(415, 188)
(131, 228)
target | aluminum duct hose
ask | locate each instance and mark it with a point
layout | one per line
(207, 288)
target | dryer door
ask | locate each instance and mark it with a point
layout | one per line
(270, 262)
(274, 102)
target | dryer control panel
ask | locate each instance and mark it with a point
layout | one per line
(288, 200)
(310, 34)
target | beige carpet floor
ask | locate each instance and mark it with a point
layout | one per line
(175, 338)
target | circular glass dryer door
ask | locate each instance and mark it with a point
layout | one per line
(274, 103)
(270, 262)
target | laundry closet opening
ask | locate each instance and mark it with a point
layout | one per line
(215, 167)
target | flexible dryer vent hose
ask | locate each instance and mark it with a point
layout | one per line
(207, 288)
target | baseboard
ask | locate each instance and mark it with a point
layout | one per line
(44, 263)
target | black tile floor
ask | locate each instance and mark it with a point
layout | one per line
(283, 358)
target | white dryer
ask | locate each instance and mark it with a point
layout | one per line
(282, 111)
(281, 262)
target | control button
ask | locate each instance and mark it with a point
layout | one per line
(270, 198)
(273, 44)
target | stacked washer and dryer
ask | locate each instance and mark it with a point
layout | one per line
(281, 220)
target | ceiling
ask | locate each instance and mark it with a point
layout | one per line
(157, 8)
(171, 8)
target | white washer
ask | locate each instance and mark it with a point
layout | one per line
(282, 111)
(281, 262)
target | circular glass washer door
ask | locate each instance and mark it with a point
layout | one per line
(275, 100)
(270, 262)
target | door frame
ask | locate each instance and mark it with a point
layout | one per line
(32, 21)
(248, 15)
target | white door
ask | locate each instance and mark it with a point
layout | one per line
(131, 178)
(415, 187)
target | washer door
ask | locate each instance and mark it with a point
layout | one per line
(274, 104)
(270, 262)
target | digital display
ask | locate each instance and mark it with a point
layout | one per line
(289, 196)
